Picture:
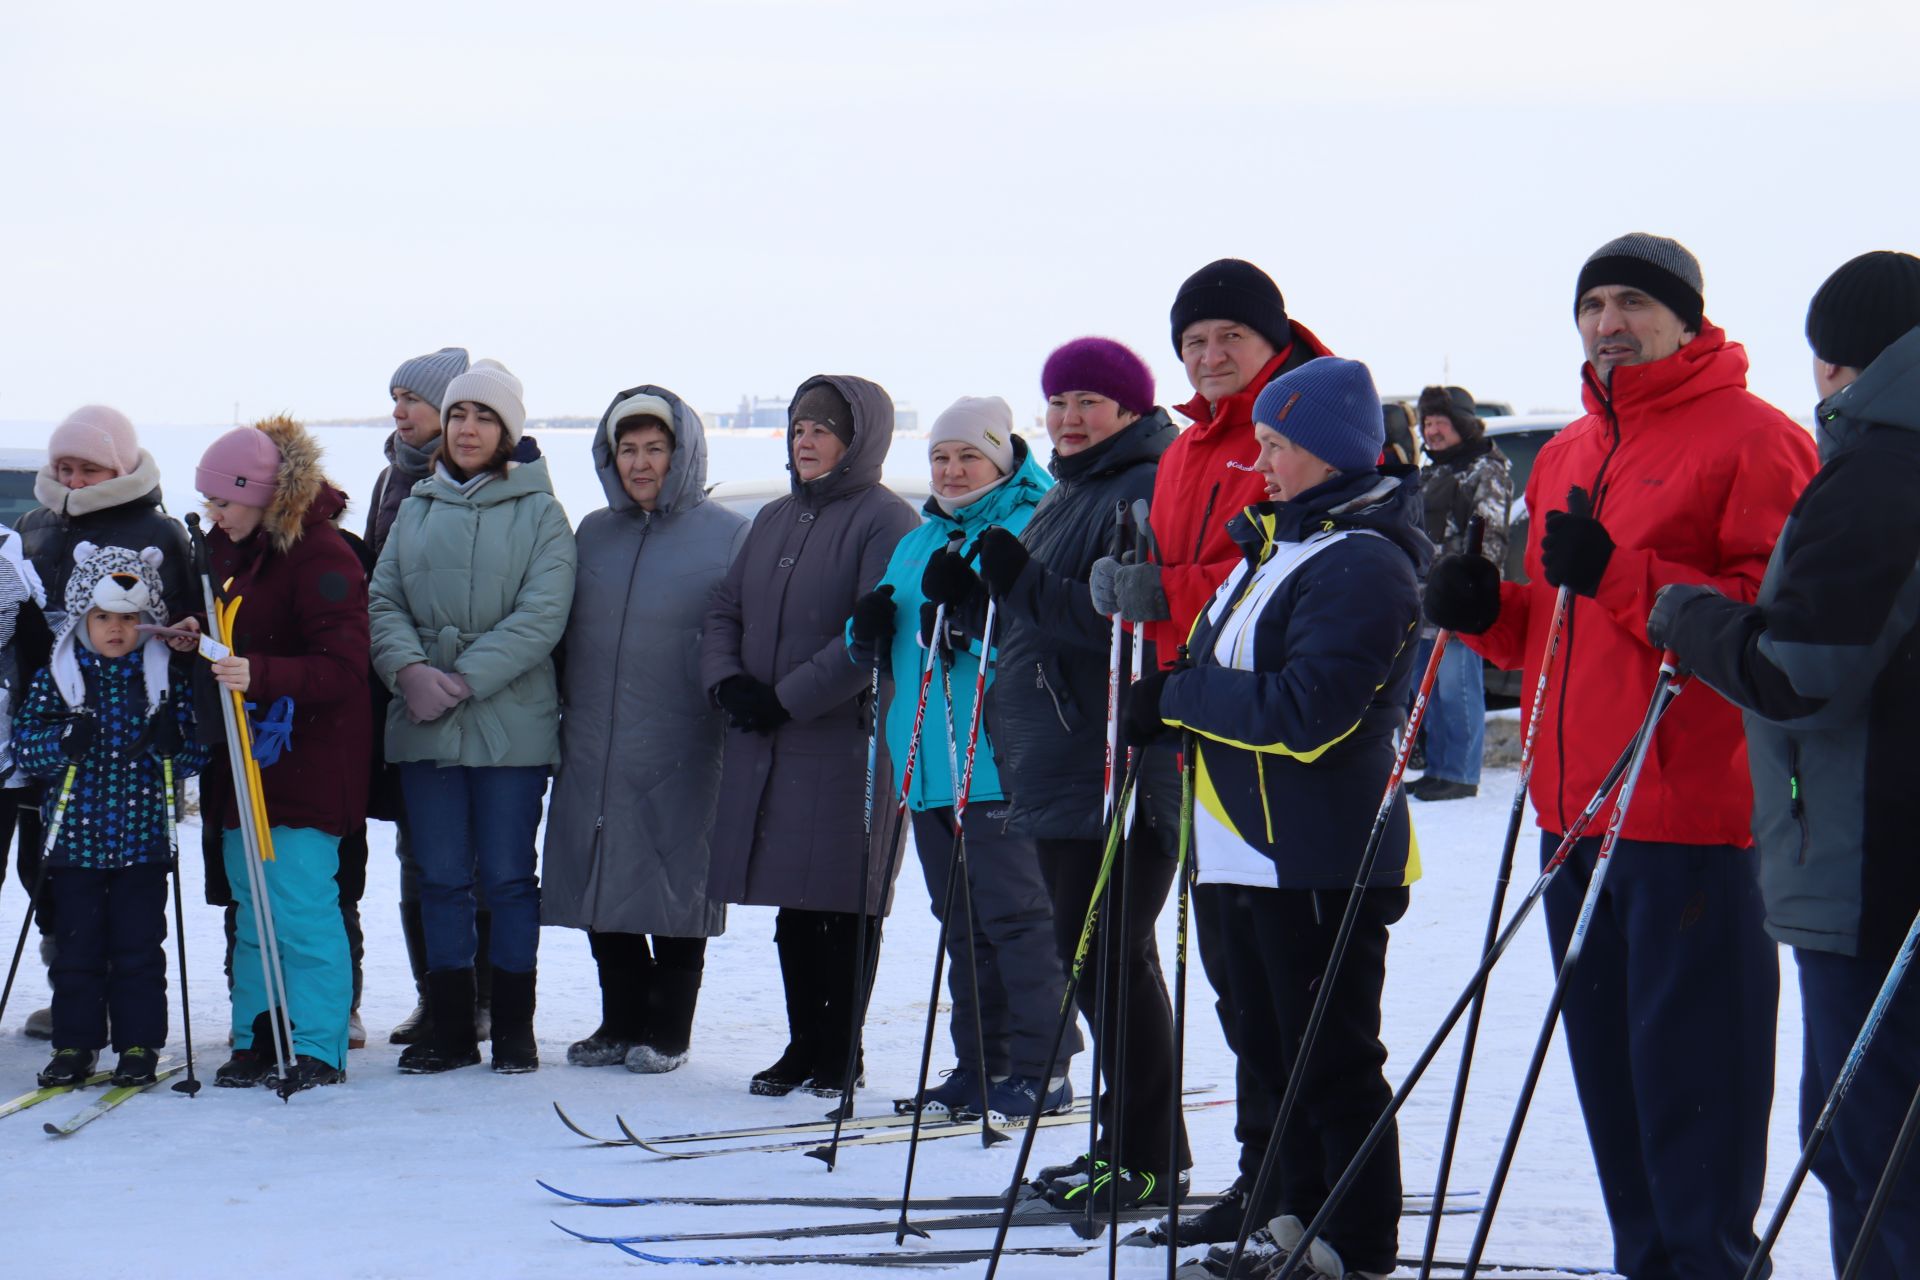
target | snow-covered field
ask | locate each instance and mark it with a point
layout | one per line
(401, 1176)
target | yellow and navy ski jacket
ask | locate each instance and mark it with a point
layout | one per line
(1303, 667)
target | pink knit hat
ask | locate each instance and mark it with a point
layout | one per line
(99, 435)
(242, 466)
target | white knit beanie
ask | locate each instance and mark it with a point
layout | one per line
(490, 383)
(985, 422)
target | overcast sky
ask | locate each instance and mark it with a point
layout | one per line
(205, 204)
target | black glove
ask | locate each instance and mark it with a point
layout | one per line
(1668, 605)
(1576, 548)
(1140, 722)
(163, 732)
(77, 738)
(956, 637)
(1003, 557)
(949, 581)
(873, 618)
(1463, 594)
(750, 704)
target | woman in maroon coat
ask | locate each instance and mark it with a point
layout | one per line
(299, 642)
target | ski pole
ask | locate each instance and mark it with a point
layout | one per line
(1849, 1068)
(1883, 1193)
(1097, 1064)
(246, 804)
(1671, 681)
(863, 992)
(39, 879)
(866, 859)
(191, 1085)
(1074, 972)
(1476, 536)
(958, 884)
(1336, 955)
(1184, 868)
(1477, 984)
(1144, 551)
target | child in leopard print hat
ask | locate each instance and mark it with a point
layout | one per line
(97, 723)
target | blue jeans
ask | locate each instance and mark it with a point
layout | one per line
(476, 824)
(1456, 720)
(312, 937)
(1835, 994)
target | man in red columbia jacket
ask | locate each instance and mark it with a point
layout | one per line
(1231, 329)
(1684, 477)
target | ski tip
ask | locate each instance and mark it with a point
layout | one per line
(643, 1256)
(572, 1197)
(53, 1130)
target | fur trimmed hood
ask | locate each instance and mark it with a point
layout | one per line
(302, 494)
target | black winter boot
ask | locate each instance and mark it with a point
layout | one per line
(514, 1050)
(624, 966)
(448, 1042)
(670, 1005)
(796, 937)
(415, 933)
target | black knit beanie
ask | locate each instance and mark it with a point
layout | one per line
(1864, 308)
(823, 404)
(1661, 268)
(1233, 290)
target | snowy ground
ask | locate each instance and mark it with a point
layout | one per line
(398, 1176)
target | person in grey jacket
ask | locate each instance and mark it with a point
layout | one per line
(1466, 478)
(1826, 666)
(469, 599)
(791, 829)
(633, 803)
(416, 387)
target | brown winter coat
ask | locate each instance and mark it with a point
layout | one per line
(792, 802)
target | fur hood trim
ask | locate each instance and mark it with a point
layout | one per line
(117, 492)
(300, 482)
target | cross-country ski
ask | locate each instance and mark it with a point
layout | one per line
(115, 1096)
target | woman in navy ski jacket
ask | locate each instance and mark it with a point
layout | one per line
(1302, 663)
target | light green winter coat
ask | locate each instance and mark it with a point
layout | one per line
(479, 585)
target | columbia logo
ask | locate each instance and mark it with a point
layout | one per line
(1235, 465)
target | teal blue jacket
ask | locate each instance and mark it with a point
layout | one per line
(1010, 506)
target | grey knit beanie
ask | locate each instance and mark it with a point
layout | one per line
(427, 376)
(1655, 265)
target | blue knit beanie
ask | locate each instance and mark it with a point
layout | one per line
(1329, 408)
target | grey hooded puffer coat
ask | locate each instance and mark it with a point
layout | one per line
(629, 828)
(791, 825)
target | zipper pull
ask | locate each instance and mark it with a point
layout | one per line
(1793, 793)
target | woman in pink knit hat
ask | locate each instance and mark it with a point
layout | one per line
(97, 486)
(299, 637)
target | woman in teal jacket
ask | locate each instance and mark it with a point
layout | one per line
(983, 476)
(470, 596)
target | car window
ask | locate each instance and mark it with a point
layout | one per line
(16, 496)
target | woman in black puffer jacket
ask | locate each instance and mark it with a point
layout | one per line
(1047, 707)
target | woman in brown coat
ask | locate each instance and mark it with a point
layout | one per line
(791, 829)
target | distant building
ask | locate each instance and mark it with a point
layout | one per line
(769, 413)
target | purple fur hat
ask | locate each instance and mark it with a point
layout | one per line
(1100, 365)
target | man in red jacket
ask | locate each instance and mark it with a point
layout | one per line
(1231, 330)
(1677, 474)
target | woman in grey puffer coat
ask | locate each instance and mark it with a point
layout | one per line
(791, 831)
(633, 804)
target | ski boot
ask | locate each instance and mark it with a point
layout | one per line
(956, 1097)
(1133, 1188)
(68, 1067)
(1010, 1101)
(246, 1069)
(136, 1066)
(308, 1072)
(1217, 1222)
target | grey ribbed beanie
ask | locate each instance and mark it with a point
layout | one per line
(1661, 267)
(427, 376)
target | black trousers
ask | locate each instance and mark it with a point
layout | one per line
(110, 959)
(631, 966)
(1343, 1085)
(20, 810)
(1226, 928)
(1144, 1057)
